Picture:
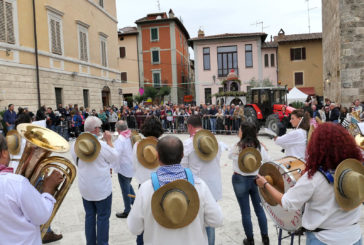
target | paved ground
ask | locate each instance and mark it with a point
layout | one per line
(70, 217)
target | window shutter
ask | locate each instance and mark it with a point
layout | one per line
(81, 46)
(84, 38)
(303, 53)
(124, 76)
(292, 54)
(122, 52)
(58, 35)
(103, 53)
(2, 22)
(9, 23)
(53, 36)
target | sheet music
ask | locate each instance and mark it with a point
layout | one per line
(361, 127)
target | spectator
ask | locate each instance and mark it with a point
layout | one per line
(10, 117)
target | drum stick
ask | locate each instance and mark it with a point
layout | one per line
(296, 169)
(132, 196)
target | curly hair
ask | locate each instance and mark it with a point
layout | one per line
(330, 144)
(152, 127)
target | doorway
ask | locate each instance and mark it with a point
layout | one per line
(105, 96)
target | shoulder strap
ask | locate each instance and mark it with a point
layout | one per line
(155, 181)
(189, 176)
(328, 176)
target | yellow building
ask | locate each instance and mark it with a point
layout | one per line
(128, 62)
(300, 61)
(76, 42)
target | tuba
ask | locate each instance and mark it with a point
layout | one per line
(36, 162)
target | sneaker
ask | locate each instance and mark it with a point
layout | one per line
(51, 237)
(122, 215)
(247, 241)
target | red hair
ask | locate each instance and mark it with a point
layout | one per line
(329, 145)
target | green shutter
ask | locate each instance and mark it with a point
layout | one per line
(2, 22)
(9, 23)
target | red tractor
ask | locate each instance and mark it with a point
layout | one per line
(264, 104)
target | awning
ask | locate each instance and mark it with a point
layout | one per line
(306, 90)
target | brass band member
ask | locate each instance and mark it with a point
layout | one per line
(22, 208)
(332, 202)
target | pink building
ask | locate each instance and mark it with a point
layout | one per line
(247, 53)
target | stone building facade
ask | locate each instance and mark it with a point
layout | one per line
(343, 50)
(77, 53)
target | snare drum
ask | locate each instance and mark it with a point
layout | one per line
(282, 174)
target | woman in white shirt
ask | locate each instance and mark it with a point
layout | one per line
(294, 142)
(325, 222)
(244, 183)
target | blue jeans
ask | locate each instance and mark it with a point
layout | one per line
(126, 188)
(11, 127)
(210, 235)
(244, 186)
(97, 213)
(312, 240)
(213, 124)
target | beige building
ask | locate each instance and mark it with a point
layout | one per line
(76, 42)
(128, 62)
(300, 61)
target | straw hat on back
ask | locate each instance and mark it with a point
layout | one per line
(349, 184)
(147, 152)
(205, 145)
(176, 204)
(249, 160)
(13, 140)
(87, 147)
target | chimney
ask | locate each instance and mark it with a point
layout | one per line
(171, 14)
(200, 33)
(281, 32)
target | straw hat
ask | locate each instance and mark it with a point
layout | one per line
(349, 184)
(13, 140)
(205, 145)
(87, 147)
(176, 204)
(147, 152)
(135, 137)
(249, 160)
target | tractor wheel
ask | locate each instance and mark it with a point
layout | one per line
(251, 115)
(272, 122)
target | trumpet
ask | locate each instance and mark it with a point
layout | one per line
(36, 162)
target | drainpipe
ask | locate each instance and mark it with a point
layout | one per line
(36, 53)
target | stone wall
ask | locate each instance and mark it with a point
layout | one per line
(18, 87)
(343, 50)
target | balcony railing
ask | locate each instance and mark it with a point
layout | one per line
(225, 71)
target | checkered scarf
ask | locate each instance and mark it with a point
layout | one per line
(170, 173)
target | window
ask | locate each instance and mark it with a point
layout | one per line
(266, 60)
(227, 59)
(86, 98)
(124, 76)
(82, 35)
(154, 37)
(272, 60)
(298, 78)
(103, 52)
(156, 78)
(58, 92)
(101, 3)
(298, 53)
(208, 96)
(55, 25)
(6, 22)
(221, 89)
(155, 57)
(206, 59)
(122, 52)
(248, 55)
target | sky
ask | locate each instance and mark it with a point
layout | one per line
(229, 16)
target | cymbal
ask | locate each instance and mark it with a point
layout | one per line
(274, 178)
(359, 139)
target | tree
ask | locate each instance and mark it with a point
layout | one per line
(139, 98)
(150, 92)
(164, 91)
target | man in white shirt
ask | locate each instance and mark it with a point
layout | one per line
(22, 208)
(94, 158)
(209, 171)
(141, 218)
(124, 165)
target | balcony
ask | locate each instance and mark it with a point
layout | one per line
(225, 71)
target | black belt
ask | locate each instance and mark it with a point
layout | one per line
(318, 229)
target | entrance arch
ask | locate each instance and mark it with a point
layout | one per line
(105, 94)
(236, 101)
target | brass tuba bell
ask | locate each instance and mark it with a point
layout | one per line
(36, 162)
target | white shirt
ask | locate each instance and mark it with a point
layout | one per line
(141, 173)
(234, 155)
(94, 179)
(322, 211)
(208, 171)
(22, 210)
(141, 219)
(294, 143)
(124, 164)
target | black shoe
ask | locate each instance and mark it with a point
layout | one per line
(122, 215)
(51, 237)
(265, 239)
(247, 241)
